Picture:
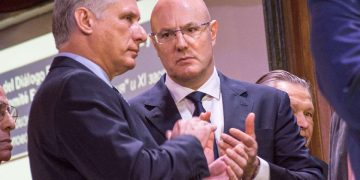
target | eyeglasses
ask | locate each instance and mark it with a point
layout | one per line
(192, 30)
(6, 108)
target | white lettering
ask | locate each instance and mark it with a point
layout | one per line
(20, 99)
(27, 79)
(9, 86)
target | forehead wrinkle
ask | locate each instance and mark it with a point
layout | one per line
(131, 11)
(304, 104)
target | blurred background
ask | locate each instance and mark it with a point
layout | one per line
(254, 37)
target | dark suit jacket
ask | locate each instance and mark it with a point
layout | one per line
(338, 165)
(324, 167)
(277, 133)
(80, 128)
(335, 43)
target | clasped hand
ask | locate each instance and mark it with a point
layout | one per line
(238, 151)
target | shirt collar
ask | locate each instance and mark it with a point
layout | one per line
(96, 69)
(211, 88)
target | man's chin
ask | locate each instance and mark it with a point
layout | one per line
(5, 155)
(307, 143)
(130, 66)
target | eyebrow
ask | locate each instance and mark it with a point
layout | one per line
(3, 104)
(191, 23)
(131, 12)
(172, 29)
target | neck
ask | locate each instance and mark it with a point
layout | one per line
(84, 50)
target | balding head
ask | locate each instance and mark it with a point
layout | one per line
(186, 56)
(171, 10)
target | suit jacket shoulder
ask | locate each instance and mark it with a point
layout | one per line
(80, 128)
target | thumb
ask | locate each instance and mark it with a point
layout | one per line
(250, 125)
(205, 116)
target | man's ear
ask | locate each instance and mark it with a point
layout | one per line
(213, 31)
(84, 20)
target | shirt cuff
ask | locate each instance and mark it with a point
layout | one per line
(264, 170)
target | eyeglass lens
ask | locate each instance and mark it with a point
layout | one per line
(192, 30)
(10, 109)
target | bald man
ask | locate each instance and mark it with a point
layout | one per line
(184, 36)
(8, 115)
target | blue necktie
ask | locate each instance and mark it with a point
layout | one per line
(196, 98)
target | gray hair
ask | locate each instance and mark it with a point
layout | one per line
(63, 22)
(272, 77)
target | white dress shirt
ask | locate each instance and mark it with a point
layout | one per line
(213, 103)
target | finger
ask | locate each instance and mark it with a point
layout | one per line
(246, 139)
(231, 173)
(250, 125)
(235, 167)
(176, 129)
(217, 167)
(232, 141)
(223, 146)
(208, 148)
(168, 134)
(210, 141)
(240, 149)
(212, 127)
(204, 123)
(205, 116)
(239, 155)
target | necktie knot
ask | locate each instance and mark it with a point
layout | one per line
(196, 96)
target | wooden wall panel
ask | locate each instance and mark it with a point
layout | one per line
(288, 22)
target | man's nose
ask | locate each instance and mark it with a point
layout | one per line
(139, 34)
(181, 42)
(301, 120)
(9, 123)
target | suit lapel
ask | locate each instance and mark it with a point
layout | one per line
(162, 111)
(236, 103)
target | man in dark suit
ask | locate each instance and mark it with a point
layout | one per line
(184, 36)
(82, 128)
(335, 45)
(301, 103)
